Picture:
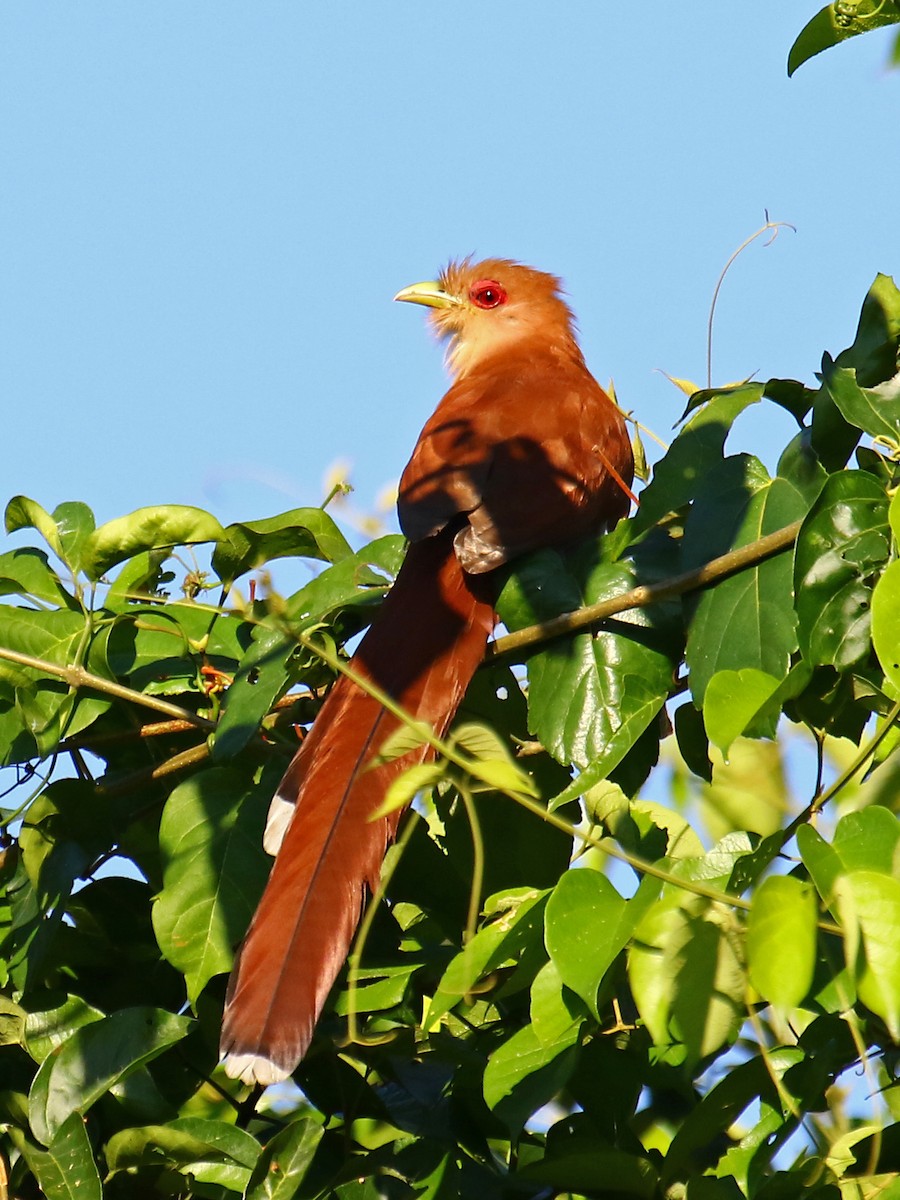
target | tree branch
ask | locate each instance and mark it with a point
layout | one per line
(77, 677)
(646, 594)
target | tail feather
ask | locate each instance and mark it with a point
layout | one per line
(423, 650)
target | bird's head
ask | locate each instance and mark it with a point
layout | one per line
(494, 306)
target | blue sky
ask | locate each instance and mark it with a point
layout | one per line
(206, 207)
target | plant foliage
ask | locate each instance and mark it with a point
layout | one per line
(615, 955)
(612, 961)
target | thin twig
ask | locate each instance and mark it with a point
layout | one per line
(178, 762)
(77, 677)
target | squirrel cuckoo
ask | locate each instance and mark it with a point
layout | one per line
(525, 450)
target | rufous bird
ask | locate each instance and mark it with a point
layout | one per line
(525, 450)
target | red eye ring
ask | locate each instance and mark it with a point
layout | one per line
(487, 293)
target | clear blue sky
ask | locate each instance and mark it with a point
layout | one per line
(206, 207)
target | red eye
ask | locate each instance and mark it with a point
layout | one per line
(486, 293)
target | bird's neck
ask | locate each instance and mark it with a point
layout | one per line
(477, 351)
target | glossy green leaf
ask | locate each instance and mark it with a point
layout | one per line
(894, 516)
(583, 925)
(836, 23)
(300, 533)
(875, 411)
(140, 578)
(75, 524)
(93, 1059)
(781, 940)
(212, 1152)
(876, 346)
(821, 860)
(842, 543)
(734, 703)
(22, 513)
(146, 529)
(263, 675)
(591, 696)
(697, 450)
(745, 621)
(27, 573)
(213, 872)
(490, 760)
(284, 1162)
(886, 622)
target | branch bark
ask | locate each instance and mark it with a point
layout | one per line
(645, 595)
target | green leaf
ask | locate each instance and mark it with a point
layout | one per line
(350, 589)
(404, 788)
(263, 675)
(781, 940)
(27, 573)
(875, 411)
(284, 1162)
(95, 1058)
(723, 1104)
(836, 23)
(553, 1012)
(22, 513)
(591, 1167)
(75, 523)
(146, 529)
(894, 516)
(523, 1074)
(66, 1170)
(886, 622)
(299, 533)
(867, 840)
(46, 1029)
(213, 871)
(591, 696)
(586, 926)
(822, 862)
(583, 923)
(871, 901)
(212, 1152)
(685, 965)
(697, 450)
(516, 926)
(737, 702)
(842, 543)
(875, 353)
(745, 621)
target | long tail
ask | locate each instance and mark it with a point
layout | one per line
(423, 649)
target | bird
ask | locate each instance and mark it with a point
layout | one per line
(524, 451)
